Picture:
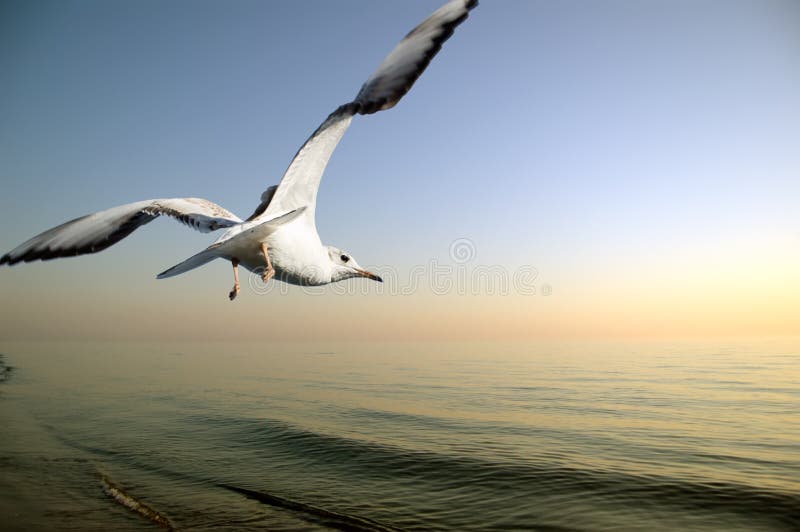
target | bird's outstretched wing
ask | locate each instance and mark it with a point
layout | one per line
(95, 232)
(382, 90)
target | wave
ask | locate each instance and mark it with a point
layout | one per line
(500, 491)
(441, 472)
(132, 503)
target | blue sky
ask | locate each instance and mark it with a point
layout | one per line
(607, 143)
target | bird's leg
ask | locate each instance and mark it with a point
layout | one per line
(269, 272)
(235, 291)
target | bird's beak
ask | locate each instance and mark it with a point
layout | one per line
(368, 275)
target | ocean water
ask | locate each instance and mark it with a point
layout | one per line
(436, 436)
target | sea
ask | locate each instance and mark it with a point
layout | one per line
(594, 436)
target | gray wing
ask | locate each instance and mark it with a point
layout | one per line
(95, 232)
(383, 89)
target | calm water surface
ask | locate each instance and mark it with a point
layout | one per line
(700, 436)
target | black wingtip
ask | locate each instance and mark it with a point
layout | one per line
(9, 260)
(369, 104)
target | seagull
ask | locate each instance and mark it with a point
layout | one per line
(280, 238)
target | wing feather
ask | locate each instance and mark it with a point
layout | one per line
(405, 64)
(392, 79)
(95, 232)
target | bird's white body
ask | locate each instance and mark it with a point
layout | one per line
(295, 250)
(280, 238)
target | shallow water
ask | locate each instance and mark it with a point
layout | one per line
(437, 436)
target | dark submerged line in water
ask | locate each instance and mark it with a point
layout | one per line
(330, 519)
(132, 503)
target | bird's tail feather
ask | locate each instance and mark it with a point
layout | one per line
(195, 261)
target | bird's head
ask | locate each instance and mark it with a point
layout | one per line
(344, 266)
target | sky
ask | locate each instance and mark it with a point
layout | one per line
(569, 169)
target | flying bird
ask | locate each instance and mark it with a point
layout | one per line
(280, 238)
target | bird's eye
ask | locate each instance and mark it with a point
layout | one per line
(344, 258)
